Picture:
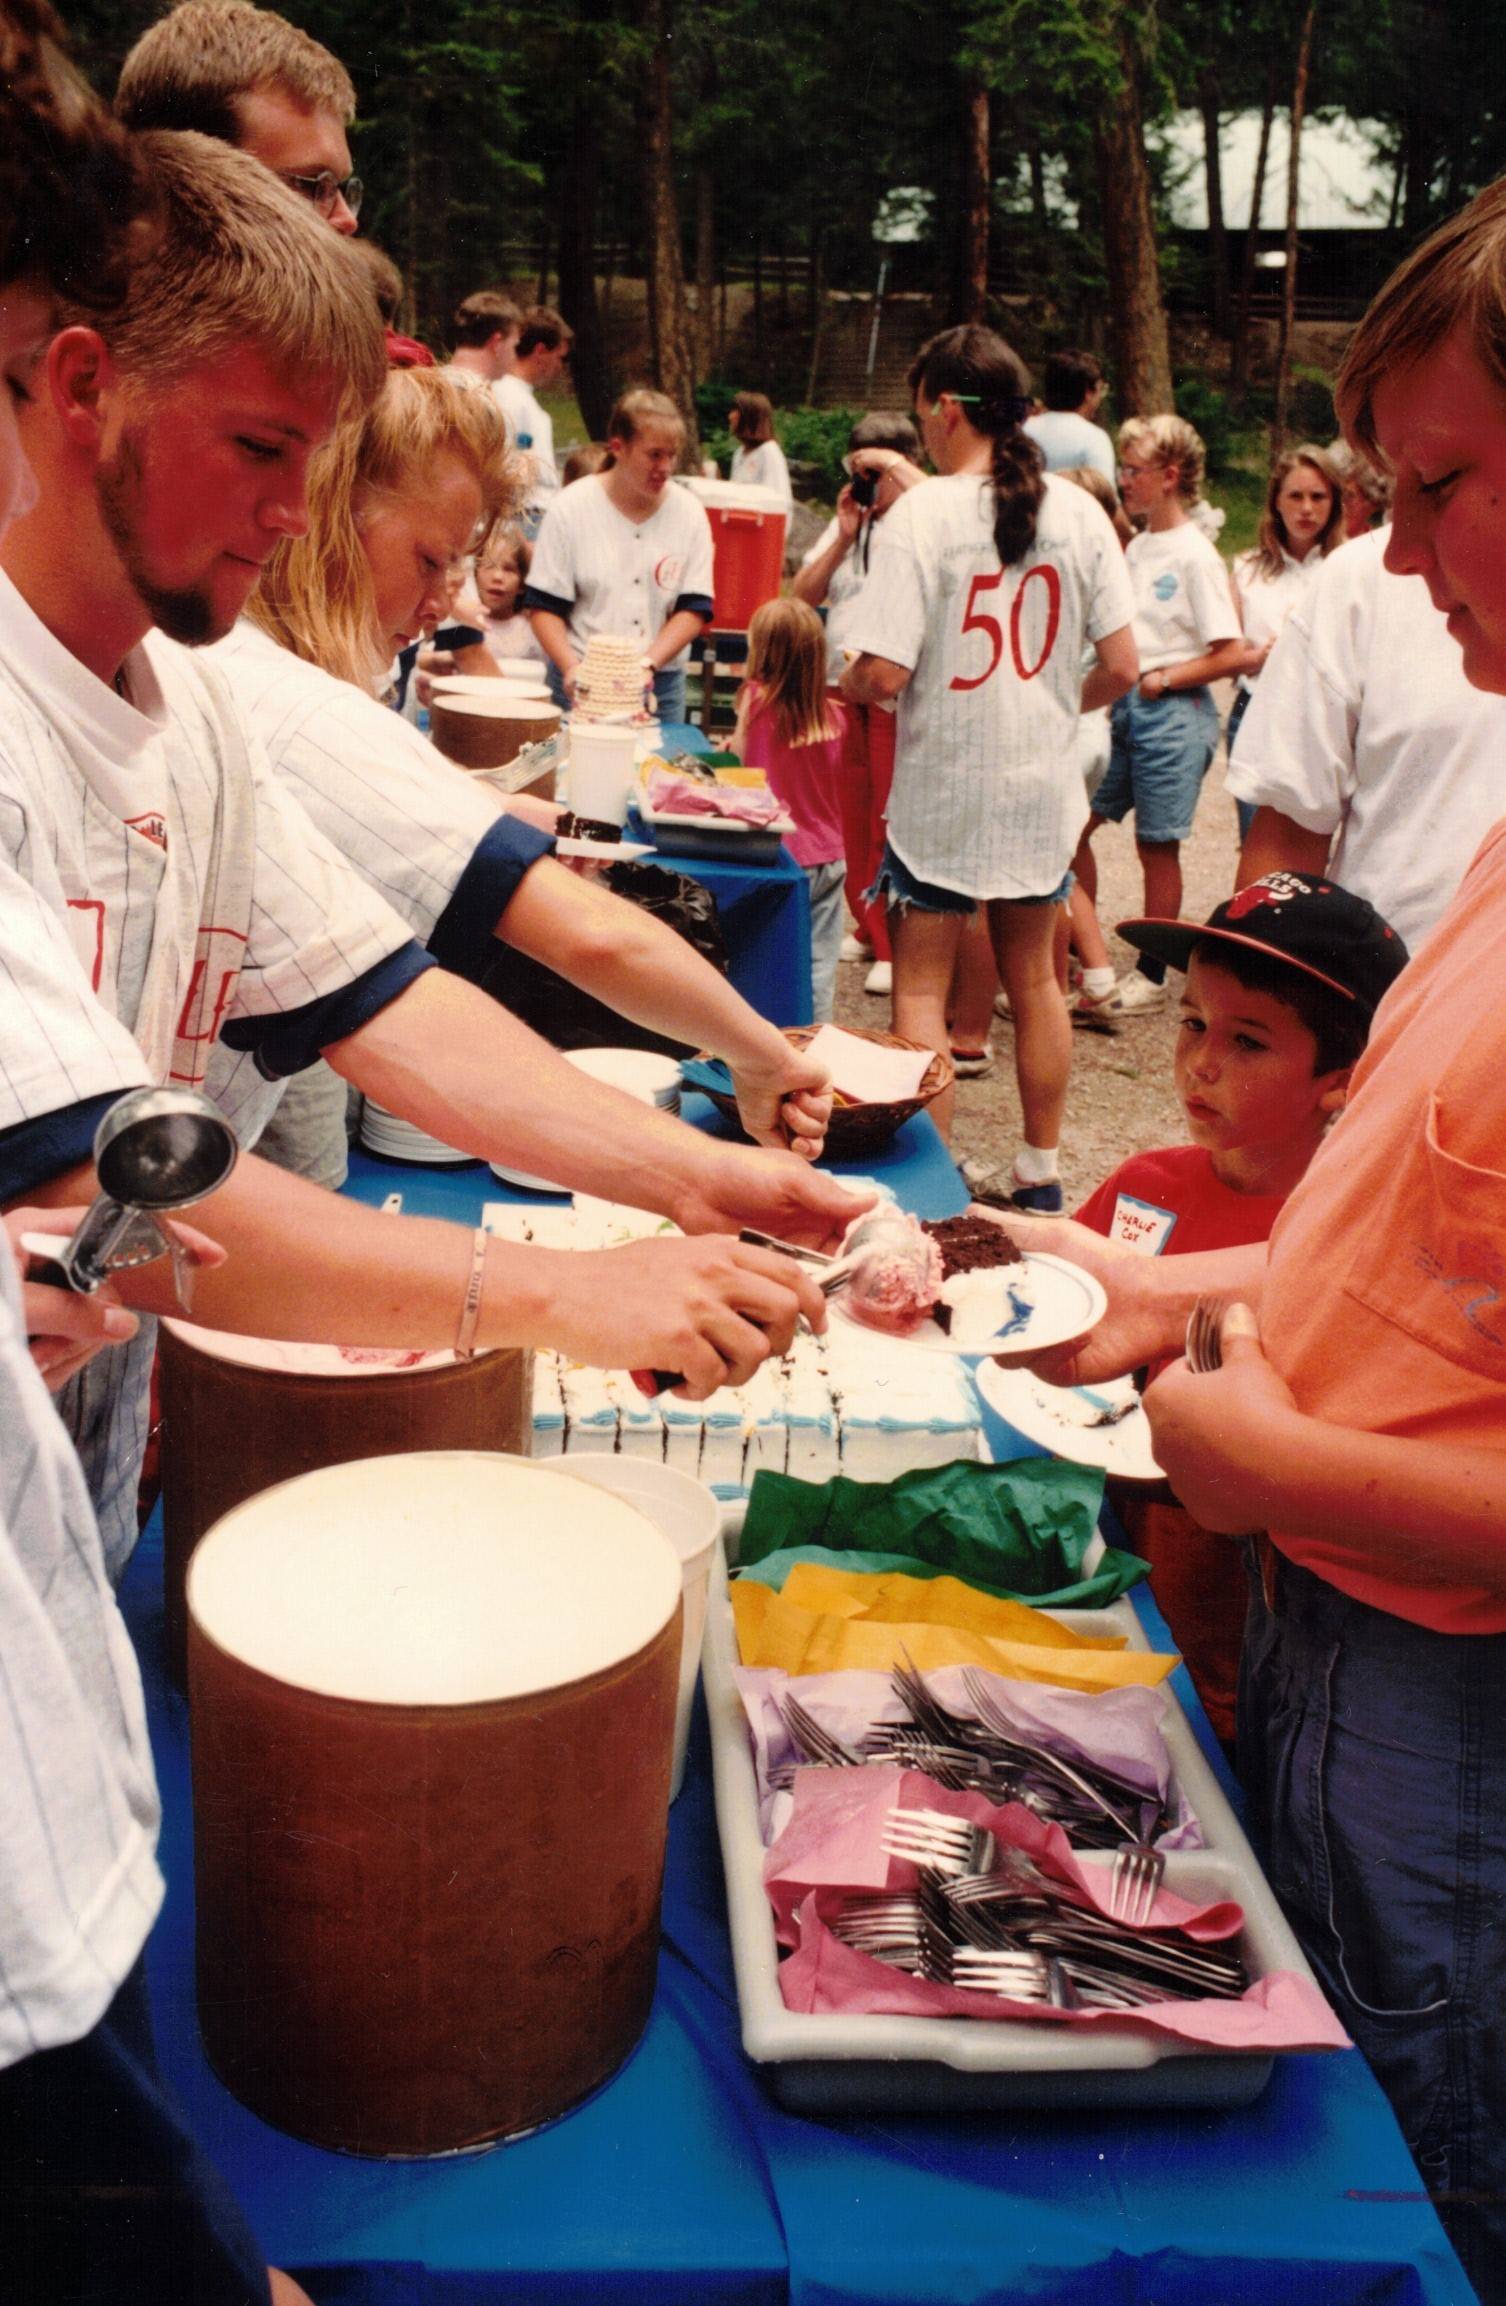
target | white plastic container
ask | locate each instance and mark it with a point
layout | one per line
(602, 760)
(690, 1516)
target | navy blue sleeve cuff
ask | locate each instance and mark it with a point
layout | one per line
(291, 1039)
(699, 604)
(553, 602)
(463, 934)
(33, 1152)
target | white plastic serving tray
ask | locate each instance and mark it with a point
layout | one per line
(699, 836)
(871, 2064)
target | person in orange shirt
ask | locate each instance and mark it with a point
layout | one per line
(1283, 981)
(1363, 1422)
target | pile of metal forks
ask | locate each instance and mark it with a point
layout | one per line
(983, 1753)
(989, 1919)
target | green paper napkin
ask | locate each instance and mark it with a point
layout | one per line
(1018, 1530)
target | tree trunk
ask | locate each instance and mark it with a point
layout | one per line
(818, 311)
(705, 266)
(674, 365)
(1137, 316)
(977, 183)
(1218, 238)
(1293, 185)
(758, 299)
(1037, 159)
(1239, 355)
(577, 265)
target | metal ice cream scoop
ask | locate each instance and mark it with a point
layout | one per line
(155, 1151)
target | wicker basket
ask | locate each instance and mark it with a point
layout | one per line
(855, 1131)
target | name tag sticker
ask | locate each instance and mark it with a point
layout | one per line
(1141, 1224)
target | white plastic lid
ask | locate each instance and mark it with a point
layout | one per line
(734, 495)
(443, 1578)
(301, 1360)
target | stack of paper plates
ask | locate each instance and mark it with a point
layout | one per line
(384, 1132)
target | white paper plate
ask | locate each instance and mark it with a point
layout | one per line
(389, 1134)
(1060, 1418)
(606, 851)
(1064, 1302)
(528, 1184)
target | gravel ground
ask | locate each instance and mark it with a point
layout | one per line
(1121, 1098)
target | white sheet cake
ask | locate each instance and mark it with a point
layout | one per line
(852, 1402)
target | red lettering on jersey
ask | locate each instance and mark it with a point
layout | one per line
(668, 571)
(1053, 585)
(211, 989)
(152, 827)
(94, 905)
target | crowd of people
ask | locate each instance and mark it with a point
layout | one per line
(231, 496)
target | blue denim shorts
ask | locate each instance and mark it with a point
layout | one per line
(900, 888)
(1374, 1755)
(1161, 753)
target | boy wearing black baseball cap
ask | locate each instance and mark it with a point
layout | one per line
(1282, 983)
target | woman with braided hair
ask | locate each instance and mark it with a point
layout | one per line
(987, 584)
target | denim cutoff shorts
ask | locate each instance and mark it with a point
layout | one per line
(1160, 754)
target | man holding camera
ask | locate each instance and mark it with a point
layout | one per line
(832, 574)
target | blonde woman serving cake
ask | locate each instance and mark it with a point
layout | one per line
(624, 553)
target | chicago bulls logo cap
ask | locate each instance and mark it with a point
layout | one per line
(1313, 924)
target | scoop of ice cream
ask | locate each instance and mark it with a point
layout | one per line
(896, 1271)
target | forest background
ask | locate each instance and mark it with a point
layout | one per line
(697, 188)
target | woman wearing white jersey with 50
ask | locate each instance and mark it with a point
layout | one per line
(986, 585)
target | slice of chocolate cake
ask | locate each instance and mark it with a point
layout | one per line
(968, 1245)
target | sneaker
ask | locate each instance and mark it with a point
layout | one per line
(880, 978)
(853, 949)
(972, 1064)
(1136, 996)
(1037, 1200)
(1097, 1012)
(1001, 1005)
(982, 1177)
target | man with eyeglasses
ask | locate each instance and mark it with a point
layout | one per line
(252, 79)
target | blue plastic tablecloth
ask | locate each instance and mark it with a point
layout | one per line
(683, 2184)
(765, 914)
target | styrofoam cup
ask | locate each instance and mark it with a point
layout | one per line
(690, 1516)
(602, 759)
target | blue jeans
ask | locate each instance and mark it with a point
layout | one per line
(1162, 750)
(1374, 1755)
(1244, 810)
(109, 2200)
(827, 910)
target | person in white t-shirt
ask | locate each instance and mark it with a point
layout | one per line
(627, 553)
(161, 892)
(1165, 732)
(539, 359)
(831, 576)
(758, 459)
(986, 586)
(1073, 387)
(1366, 753)
(1302, 523)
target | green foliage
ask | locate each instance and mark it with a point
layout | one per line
(1310, 411)
(818, 437)
(1210, 413)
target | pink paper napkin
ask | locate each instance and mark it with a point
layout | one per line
(833, 1845)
